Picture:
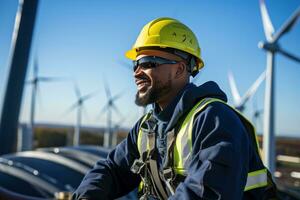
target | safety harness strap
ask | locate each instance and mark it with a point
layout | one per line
(168, 173)
(154, 172)
(147, 165)
(157, 182)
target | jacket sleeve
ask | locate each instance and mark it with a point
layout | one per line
(111, 178)
(220, 156)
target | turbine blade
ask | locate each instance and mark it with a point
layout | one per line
(117, 96)
(234, 91)
(126, 65)
(287, 25)
(253, 88)
(71, 108)
(35, 68)
(267, 24)
(102, 111)
(88, 96)
(77, 91)
(51, 79)
(289, 55)
(106, 87)
(116, 109)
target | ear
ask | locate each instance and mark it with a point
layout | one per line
(180, 69)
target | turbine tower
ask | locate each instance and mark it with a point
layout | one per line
(110, 139)
(272, 47)
(35, 90)
(79, 104)
(238, 101)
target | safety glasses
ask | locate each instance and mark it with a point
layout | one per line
(149, 62)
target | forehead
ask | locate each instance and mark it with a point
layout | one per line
(158, 53)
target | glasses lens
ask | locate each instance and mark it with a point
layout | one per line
(150, 62)
(147, 65)
(144, 63)
(135, 65)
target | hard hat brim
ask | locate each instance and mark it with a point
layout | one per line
(131, 54)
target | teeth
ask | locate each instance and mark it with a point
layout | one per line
(141, 81)
(141, 85)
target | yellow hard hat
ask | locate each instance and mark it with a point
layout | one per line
(168, 33)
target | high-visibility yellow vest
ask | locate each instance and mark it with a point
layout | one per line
(182, 151)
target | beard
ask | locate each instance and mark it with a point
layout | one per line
(154, 93)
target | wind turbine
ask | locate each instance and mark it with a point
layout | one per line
(35, 90)
(239, 102)
(110, 138)
(118, 126)
(272, 47)
(79, 104)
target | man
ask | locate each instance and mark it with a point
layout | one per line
(192, 145)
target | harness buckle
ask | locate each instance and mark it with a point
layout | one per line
(137, 166)
(168, 176)
(149, 125)
(168, 173)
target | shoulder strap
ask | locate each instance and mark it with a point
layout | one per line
(147, 165)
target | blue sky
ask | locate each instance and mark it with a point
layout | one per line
(86, 41)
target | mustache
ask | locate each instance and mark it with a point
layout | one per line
(141, 78)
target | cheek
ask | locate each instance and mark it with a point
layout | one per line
(161, 75)
(165, 74)
(151, 75)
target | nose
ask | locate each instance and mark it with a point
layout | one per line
(137, 72)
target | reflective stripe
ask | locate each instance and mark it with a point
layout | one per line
(256, 179)
(183, 145)
(180, 171)
(139, 141)
(141, 185)
(142, 145)
(142, 138)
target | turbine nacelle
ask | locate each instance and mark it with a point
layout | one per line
(269, 46)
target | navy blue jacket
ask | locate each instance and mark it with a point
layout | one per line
(221, 157)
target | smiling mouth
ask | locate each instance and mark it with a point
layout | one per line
(142, 84)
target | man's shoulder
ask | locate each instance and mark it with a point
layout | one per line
(214, 107)
(218, 113)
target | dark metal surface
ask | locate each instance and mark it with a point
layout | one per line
(86, 158)
(22, 179)
(19, 60)
(42, 173)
